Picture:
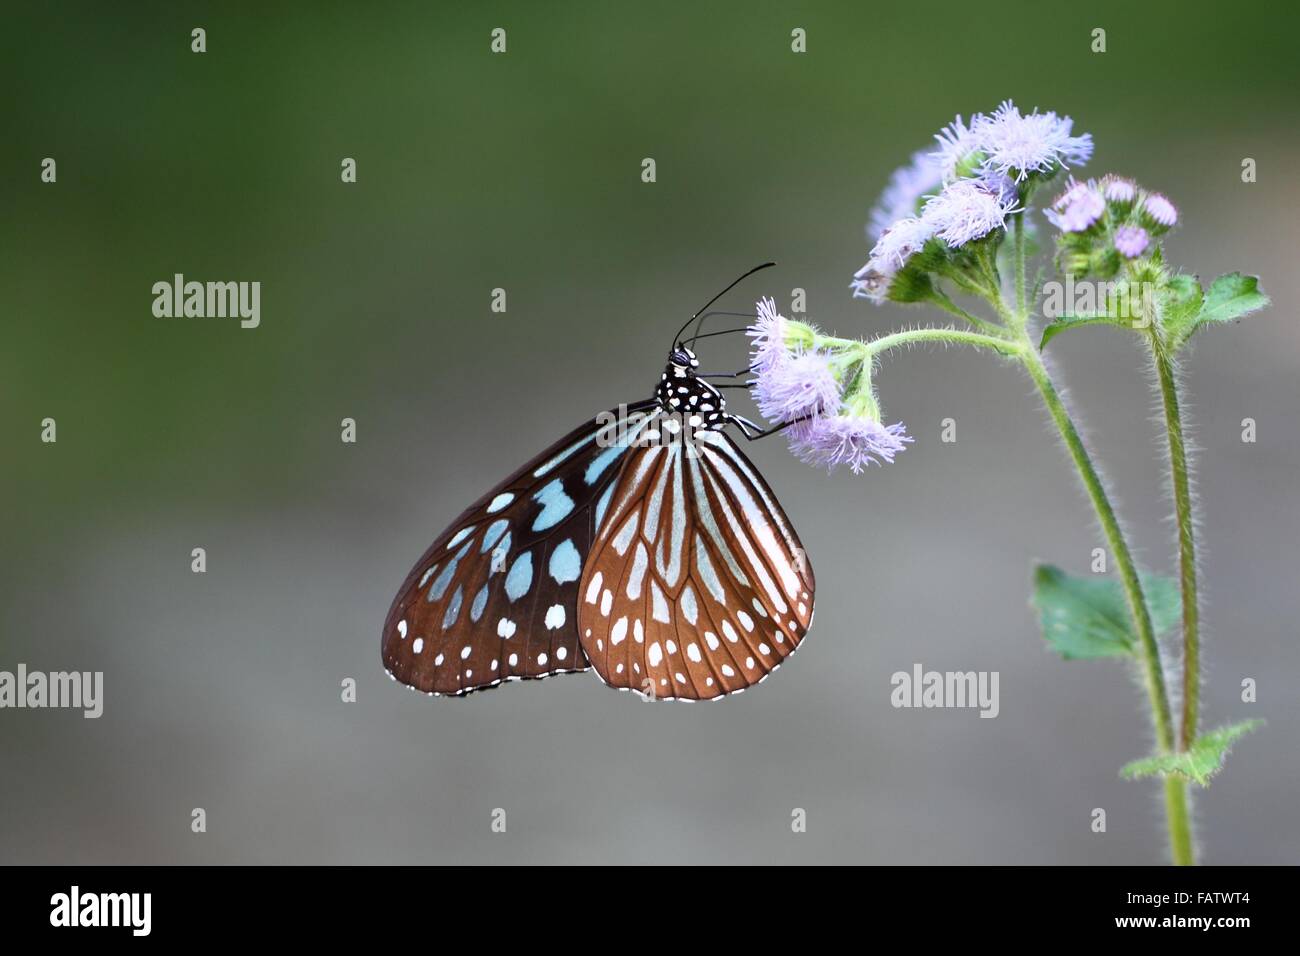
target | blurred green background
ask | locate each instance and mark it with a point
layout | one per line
(522, 171)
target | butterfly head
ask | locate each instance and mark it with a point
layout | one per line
(681, 362)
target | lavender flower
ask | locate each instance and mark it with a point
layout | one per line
(1117, 189)
(844, 439)
(1036, 143)
(768, 333)
(1131, 241)
(900, 242)
(969, 209)
(802, 386)
(957, 143)
(1076, 209)
(1160, 209)
(896, 245)
(902, 197)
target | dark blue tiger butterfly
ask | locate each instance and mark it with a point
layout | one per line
(643, 543)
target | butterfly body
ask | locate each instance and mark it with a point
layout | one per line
(652, 550)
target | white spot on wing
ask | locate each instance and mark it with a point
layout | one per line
(659, 608)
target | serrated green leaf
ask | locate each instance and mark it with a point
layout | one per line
(1199, 762)
(1229, 298)
(1085, 618)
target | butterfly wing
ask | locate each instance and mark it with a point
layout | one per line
(494, 598)
(696, 585)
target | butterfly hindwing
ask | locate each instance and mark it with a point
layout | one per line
(696, 585)
(494, 598)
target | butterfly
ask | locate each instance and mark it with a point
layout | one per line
(643, 544)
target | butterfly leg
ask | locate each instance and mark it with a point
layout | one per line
(743, 371)
(754, 432)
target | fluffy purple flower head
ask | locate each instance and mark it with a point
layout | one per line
(899, 243)
(969, 209)
(1131, 241)
(1076, 209)
(957, 142)
(856, 441)
(1037, 143)
(768, 332)
(1118, 189)
(799, 387)
(902, 196)
(1160, 209)
(902, 240)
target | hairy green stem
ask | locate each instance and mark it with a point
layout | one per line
(1179, 815)
(942, 300)
(857, 349)
(948, 336)
(1182, 489)
(1022, 305)
(1150, 650)
(1177, 812)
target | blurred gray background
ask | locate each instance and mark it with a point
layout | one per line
(522, 171)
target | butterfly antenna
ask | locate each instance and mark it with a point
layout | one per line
(677, 339)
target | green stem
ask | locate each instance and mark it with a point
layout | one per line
(1186, 544)
(941, 299)
(1154, 673)
(948, 336)
(1022, 305)
(1179, 816)
(1177, 813)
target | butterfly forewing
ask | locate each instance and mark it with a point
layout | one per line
(495, 596)
(696, 585)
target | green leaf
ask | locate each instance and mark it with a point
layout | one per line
(1075, 321)
(910, 284)
(1088, 617)
(1199, 762)
(1229, 298)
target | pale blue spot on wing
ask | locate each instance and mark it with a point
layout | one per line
(453, 609)
(427, 574)
(565, 564)
(499, 555)
(562, 456)
(439, 586)
(460, 536)
(711, 580)
(689, 607)
(480, 602)
(499, 502)
(601, 462)
(556, 505)
(490, 537)
(601, 505)
(520, 577)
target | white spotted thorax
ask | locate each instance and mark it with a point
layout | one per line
(682, 394)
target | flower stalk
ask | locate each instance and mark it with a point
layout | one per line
(1183, 509)
(947, 219)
